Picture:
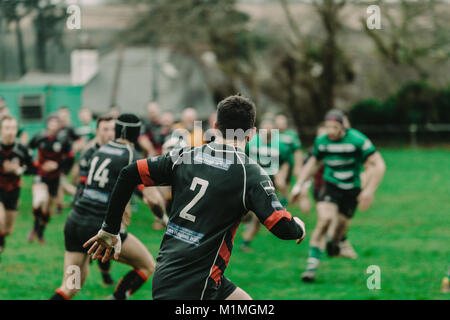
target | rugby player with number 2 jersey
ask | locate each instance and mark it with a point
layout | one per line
(213, 187)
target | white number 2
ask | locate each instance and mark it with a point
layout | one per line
(203, 185)
(101, 175)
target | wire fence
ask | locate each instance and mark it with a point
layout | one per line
(397, 135)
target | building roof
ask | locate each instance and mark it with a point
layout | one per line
(40, 78)
(178, 80)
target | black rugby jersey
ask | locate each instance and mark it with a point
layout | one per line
(50, 148)
(83, 165)
(14, 152)
(100, 174)
(213, 186)
(68, 134)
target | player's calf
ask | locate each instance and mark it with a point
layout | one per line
(105, 269)
(325, 214)
(135, 254)
(129, 284)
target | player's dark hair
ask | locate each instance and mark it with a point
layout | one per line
(128, 126)
(52, 116)
(105, 117)
(335, 115)
(63, 108)
(235, 112)
(7, 117)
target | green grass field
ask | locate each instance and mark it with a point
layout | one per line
(406, 233)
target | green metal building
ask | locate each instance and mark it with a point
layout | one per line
(34, 97)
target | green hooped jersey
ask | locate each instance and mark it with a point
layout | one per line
(289, 143)
(272, 154)
(343, 159)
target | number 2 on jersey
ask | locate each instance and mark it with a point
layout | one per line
(203, 185)
(101, 175)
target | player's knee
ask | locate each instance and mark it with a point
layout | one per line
(147, 270)
(40, 199)
(8, 230)
(323, 222)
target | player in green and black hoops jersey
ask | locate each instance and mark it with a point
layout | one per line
(343, 152)
(267, 150)
(274, 149)
(291, 149)
(213, 186)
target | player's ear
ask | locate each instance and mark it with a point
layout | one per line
(251, 134)
(217, 132)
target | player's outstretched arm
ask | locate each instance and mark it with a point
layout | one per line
(307, 171)
(262, 200)
(130, 176)
(123, 189)
(376, 163)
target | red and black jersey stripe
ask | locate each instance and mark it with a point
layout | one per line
(224, 254)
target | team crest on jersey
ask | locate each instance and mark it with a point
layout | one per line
(57, 147)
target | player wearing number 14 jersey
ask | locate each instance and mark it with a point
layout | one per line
(213, 186)
(90, 208)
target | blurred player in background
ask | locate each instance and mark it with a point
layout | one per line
(67, 135)
(22, 135)
(91, 206)
(273, 155)
(3, 108)
(15, 159)
(210, 132)
(157, 129)
(317, 180)
(187, 128)
(104, 134)
(149, 140)
(197, 245)
(114, 111)
(88, 127)
(292, 144)
(87, 132)
(52, 157)
(343, 152)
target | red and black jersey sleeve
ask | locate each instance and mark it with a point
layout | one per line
(27, 160)
(67, 157)
(34, 142)
(156, 170)
(261, 199)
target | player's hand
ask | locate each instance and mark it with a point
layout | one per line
(104, 241)
(165, 220)
(11, 166)
(49, 166)
(365, 199)
(295, 194)
(302, 225)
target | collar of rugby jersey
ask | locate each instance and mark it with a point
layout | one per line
(224, 147)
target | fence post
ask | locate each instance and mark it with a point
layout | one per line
(413, 135)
